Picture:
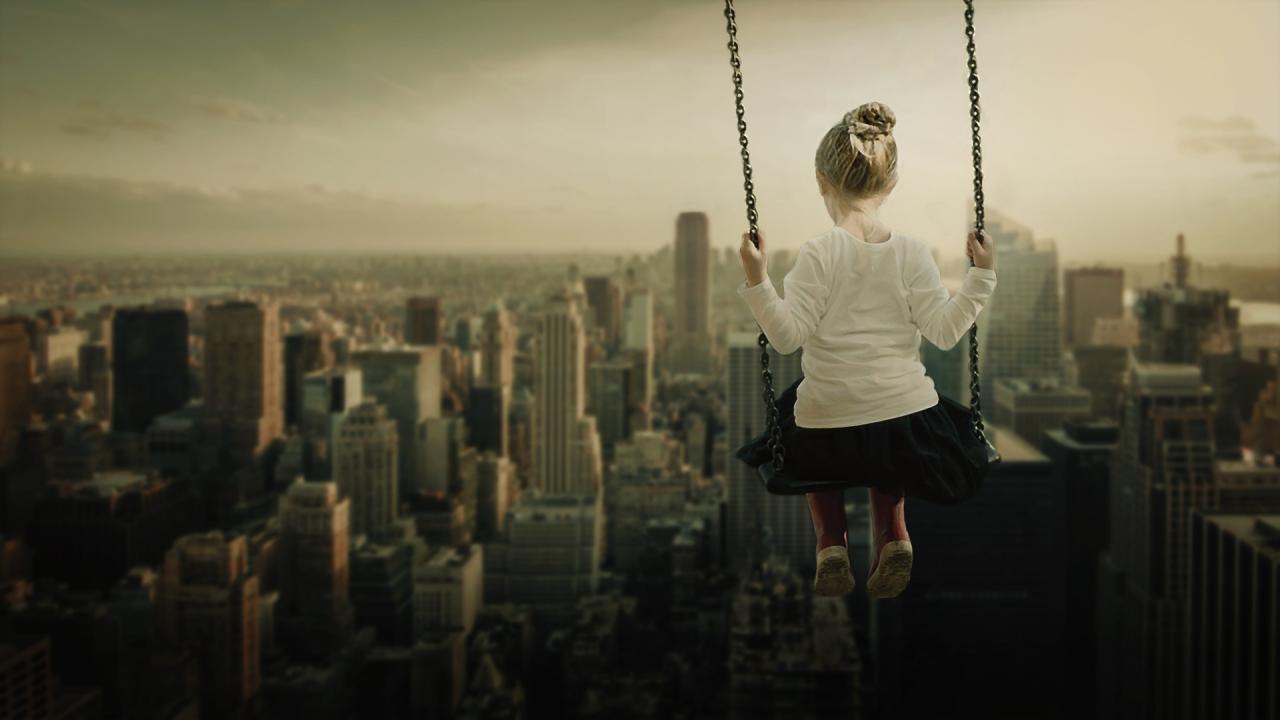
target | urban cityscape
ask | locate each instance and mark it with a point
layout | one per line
(384, 360)
(504, 489)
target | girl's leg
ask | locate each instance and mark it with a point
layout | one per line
(834, 575)
(891, 553)
(826, 508)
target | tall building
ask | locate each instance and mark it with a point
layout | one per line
(149, 368)
(1021, 322)
(304, 353)
(1100, 370)
(1089, 294)
(448, 589)
(604, 305)
(26, 678)
(637, 347)
(549, 556)
(210, 604)
(751, 509)
(691, 336)
(498, 336)
(1181, 324)
(242, 373)
(424, 321)
(650, 481)
(313, 562)
(1233, 656)
(15, 386)
(408, 382)
(486, 419)
(609, 400)
(566, 445)
(1031, 407)
(60, 354)
(95, 377)
(382, 590)
(327, 395)
(791, 655)
(985, 601)
(1080, 455)
(1163, 468)
(495, 486)
(366, 469)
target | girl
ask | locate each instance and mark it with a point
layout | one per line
(858, 299)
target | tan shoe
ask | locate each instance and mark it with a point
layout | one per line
(834, 575)
(890, 569)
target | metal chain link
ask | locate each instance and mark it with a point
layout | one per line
(776, 449)
(975, 115)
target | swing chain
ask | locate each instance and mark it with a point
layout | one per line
(771, 409)
(975, 115)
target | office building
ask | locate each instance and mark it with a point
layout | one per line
(1090, 294)
(1030, 407)
(149, 368)
(1021, 322)
(242, 374)
(604, 308)
(424, 321)
(548, 557)
(691, 333)
(985, 601)
(751, 509)
(16, 363)
(304, 353)
(209, 603)
(314, 566)
(366, 470)
(448, 589)
(408, 382)
(1232, 654)
(566, 445)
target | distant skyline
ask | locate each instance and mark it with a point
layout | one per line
(296, 126)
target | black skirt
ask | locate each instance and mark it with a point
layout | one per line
(932, 455)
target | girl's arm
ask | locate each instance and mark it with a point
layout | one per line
(944, 318)
(788, 323)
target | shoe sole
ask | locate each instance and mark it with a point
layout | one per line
(834, 575)
(893, 571)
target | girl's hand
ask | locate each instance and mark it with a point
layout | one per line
(982, 253)
(754, 262)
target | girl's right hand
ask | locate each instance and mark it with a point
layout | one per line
(982, 253)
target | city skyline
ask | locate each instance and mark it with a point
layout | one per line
(301, 128)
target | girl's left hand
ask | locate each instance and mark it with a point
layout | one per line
(754, 262)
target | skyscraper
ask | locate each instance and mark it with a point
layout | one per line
(750, 508)
(424, 321)
(242, 373)
(1233, 656)
(148, 366)
(1090, 293)
(609, 400)
(604, 303)
(691, 337)
(314, 565)
(1162, 469)
(366, 468)
(15, 386)
(209, 603)
(985, 601)
(566, 446)
(408, 382)
(304, 352)
(1021, 323)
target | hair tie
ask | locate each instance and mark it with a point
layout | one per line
(857, 130)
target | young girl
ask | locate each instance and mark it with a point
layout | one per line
(858, 299)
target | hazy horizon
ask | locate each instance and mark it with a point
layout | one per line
(297, 127)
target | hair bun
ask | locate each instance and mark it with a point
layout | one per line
(870, 120)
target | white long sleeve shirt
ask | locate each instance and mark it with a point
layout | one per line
(859, 309)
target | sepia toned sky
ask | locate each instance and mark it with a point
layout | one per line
(500, 125)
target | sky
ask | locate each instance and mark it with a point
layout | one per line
(1108, 126)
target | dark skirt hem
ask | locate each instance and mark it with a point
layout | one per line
(932, 454)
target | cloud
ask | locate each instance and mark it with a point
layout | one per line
(240, 111)
(17, 167)
(96, 120)
(70, 214)
(1236, 134)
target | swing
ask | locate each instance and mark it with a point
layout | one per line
(773, 474)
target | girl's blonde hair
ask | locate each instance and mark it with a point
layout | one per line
(859, 156)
